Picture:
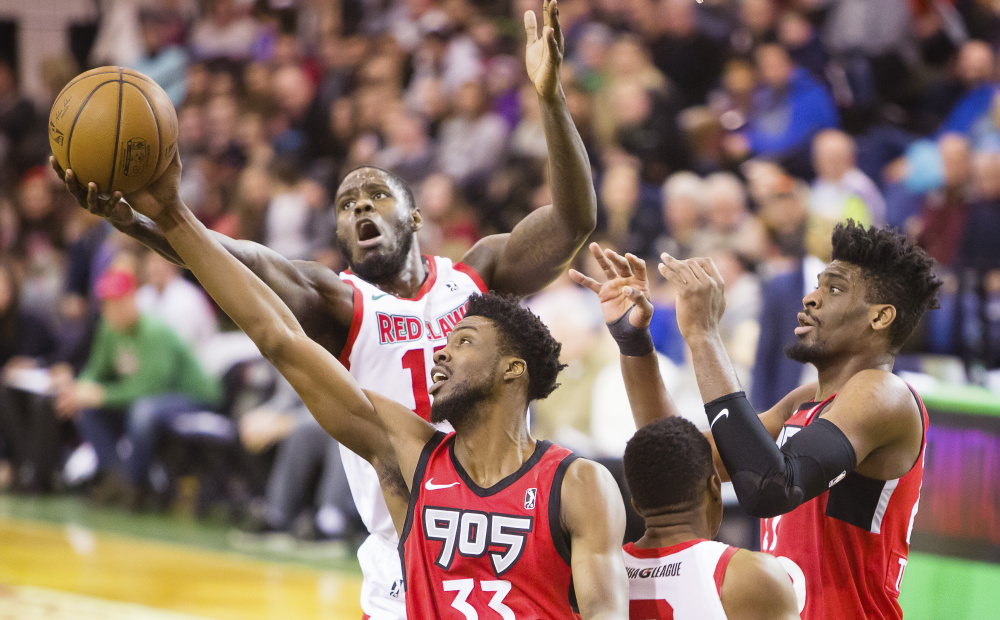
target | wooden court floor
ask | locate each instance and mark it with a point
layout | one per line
(60, 560)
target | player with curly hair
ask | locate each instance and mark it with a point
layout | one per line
(834, 469)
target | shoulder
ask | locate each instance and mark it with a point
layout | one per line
(756, 585)
(880, 392)
(482, 257)
(588, 488)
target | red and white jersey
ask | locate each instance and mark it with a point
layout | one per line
(470, 552)
(846, 549)
(389, 350)
(682, 582)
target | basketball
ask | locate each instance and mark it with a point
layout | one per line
(115, 127)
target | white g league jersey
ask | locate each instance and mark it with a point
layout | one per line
(682, 581)
(390, 350)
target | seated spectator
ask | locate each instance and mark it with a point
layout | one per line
(162, 60)
(841, 191)
(473, 140)
(789, 108)
(305, 452)
(684, 53)
(976, 70)
(408, 150)
(979, 248)
(139, 376)
(729, 221)
(28, 432)
(449, 229)
(226, 31)
(942, 220)
(176, 302)
(683, 205)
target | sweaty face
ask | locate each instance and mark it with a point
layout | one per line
(834, 319)
(374, 224)
(466, 371)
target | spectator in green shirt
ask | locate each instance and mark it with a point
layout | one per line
(139, 377)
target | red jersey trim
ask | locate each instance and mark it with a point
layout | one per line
(541, 447)
(432, 275)
(650, 553)
(469, 271)
(720, 568)
(356, 319)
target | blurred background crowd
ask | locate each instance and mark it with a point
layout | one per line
(737, 129)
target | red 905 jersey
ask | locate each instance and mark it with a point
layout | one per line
(846, 549)
(498, 553)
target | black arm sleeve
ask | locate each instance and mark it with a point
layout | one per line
(769, 481)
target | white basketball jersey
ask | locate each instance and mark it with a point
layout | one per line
(389, 350)
(683, 581)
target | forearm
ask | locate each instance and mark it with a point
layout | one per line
(712, 367)
(145, 231)
(573, 196)
(647, 395)
(252, 305)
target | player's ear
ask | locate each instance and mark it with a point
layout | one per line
(715, 487)
(516, 368)
(416, 220)
(881, 316)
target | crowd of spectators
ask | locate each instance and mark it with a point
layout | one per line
(737, 129)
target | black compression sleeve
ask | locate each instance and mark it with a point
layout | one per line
(769, 481)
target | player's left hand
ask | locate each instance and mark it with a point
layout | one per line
(625, 288)
(543, 54)
(701, 299)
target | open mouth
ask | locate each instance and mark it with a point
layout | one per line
(368, 233)
(438, 377)
(805, 324)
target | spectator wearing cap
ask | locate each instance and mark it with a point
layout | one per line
(139, 376)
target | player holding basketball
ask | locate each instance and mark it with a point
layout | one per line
(493, 522)
(838, 492)
(385, 317)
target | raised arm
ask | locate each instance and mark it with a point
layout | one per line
(593, 514)
(873, 411)
(542, 245)
(308, 289)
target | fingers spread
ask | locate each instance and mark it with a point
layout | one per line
(583, 280)
(621, 264)
(609, 269)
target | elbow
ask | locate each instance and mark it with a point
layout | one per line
(274, 342)
(765, 497)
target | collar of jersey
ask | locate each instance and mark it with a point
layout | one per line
(540, 448)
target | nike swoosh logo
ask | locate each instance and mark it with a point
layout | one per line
(374, 297)
(723, 413)
(430, 486)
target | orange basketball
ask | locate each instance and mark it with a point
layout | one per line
(115, 127)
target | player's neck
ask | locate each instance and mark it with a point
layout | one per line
(833, 375)
(673, 528)
(495, 446)
(407, 282)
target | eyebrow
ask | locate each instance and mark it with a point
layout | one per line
(834, 274)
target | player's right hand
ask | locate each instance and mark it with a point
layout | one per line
(625, 288)
(116, 211)
(160, 196)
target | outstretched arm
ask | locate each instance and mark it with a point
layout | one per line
(355, 418)
(593, 514)
(307, 288)
(542, 245)
(873, 410)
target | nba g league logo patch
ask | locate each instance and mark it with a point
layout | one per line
(529, 499)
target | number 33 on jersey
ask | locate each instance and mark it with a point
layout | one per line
(498, 553)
